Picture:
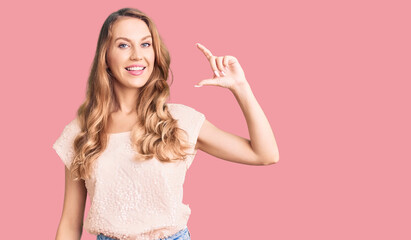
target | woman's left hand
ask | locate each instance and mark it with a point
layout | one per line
(227, 71)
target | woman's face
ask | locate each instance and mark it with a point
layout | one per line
(129, 49)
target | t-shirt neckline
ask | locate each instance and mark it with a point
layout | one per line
(119, 133)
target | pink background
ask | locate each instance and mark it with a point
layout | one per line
(333, 78)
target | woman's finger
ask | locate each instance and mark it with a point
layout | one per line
(214, 65)
(205, 51)
(225, 62)
(213, 82)
(220, 66)
(210, 58)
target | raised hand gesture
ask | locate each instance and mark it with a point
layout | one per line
(227, 71)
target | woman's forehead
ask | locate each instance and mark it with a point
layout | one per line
(130, 27)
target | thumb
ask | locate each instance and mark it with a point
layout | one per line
(207, 82)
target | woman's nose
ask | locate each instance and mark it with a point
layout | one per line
(136, 55)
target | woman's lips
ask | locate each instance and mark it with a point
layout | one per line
(136, 72)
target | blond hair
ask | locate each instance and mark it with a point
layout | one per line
(155, 134)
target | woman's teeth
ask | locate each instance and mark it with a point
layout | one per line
(135, 68)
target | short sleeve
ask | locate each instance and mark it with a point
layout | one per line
(64, 145)
(197, 120)
(189, 120)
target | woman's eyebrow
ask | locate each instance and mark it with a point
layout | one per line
(124, 38)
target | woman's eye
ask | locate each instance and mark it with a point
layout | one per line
(122, 45)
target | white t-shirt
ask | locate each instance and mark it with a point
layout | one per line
(135, 200)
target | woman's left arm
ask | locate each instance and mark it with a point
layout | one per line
(262, 148)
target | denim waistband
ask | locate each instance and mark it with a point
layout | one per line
(183, 234)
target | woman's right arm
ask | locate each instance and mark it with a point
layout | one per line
(71, 222)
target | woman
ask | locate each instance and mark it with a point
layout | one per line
(129, 149)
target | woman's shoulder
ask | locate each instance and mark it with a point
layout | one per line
(72, 128)
(186, 114)
(181, 109)
(189, 119)
(74, 124)
(176, 106)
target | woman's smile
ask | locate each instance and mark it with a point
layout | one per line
(135, 70)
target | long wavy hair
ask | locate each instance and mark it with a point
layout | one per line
(155, 134)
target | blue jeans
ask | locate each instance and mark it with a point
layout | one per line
(183, 234)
